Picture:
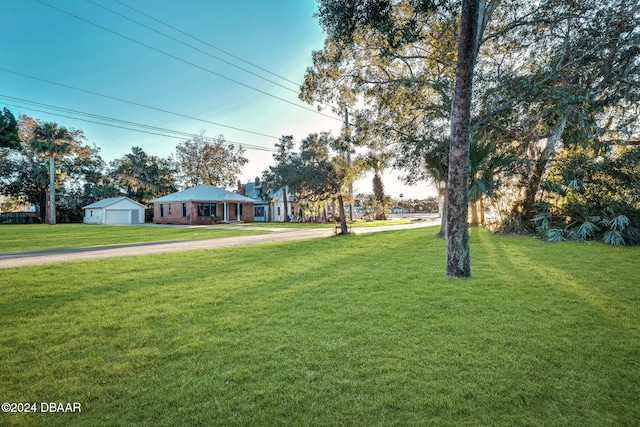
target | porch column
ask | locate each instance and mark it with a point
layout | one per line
(238, 211)
(225, 217)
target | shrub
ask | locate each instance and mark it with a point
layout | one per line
(610, 227)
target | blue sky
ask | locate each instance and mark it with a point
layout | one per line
(91, 69)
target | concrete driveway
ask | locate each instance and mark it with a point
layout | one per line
(48, 256)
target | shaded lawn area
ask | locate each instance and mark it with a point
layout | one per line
(352, 330)
(22, 237)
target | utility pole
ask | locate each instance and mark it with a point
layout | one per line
(348, 137)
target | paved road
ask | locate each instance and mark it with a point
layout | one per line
(47, 256)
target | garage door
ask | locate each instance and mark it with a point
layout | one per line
(117, 217)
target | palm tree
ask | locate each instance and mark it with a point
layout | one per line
(485, 164)
(376, 161)
(267, 197)
(282, 169)
(52, 141)
(436, 166)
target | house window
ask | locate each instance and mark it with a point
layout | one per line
(184, 210)
(91, 213)
(207, 209)
(169, 209)
(278, 210)
(161, 210)
(258, 211)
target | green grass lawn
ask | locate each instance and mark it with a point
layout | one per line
(42, 236)
(356, 223)
(286, 225)
(365, 223)
(353, 330)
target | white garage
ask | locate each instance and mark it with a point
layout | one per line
(117, 210)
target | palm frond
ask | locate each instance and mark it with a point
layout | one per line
(613, 237)
(617, 223)
(556, 235)
(588, 229)
(543, 222)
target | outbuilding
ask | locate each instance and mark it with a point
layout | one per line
(116, 210)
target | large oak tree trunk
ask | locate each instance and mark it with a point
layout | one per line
(457, 237)
(343, 219)
(525, 209)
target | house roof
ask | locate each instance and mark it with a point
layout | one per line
(253, 192)
(110, 201)
(203, 193)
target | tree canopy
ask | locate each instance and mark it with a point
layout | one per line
(213, 161)
(142, 177)
(549, 76)
(26, 172)
(9, 135)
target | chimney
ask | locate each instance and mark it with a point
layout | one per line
(257, 181)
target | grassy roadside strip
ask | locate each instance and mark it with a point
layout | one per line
(355, 330)
(355, 224)
(42, 236)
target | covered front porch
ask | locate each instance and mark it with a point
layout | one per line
(221, 211)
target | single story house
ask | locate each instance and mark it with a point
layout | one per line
(202, 204)
(115, 210)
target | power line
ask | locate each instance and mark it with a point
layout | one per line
(86, 120)
(205, 42)
(240, 144)
(190, 46)
(137, 104)
(183, 60)
(121, 124)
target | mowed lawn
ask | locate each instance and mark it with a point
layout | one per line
(360, 330)
(42, 236)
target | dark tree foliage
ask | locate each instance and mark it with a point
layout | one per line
(142, 177)
(592, 198)
(78, 173)
(342, 18)
(9, 136)
(312, 169)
